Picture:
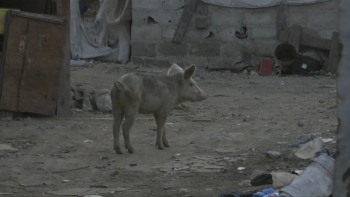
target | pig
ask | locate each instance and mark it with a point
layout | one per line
(140, 93)
(172, 70)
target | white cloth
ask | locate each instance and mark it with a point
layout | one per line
(259, 3)
(113, 19)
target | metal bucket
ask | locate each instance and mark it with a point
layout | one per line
(284, 55)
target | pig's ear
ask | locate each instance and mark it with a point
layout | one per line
(189, 71)
(120, 87)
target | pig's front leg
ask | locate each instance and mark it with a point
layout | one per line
(160, 121)
(165, 140)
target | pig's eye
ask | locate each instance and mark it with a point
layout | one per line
(191, 84)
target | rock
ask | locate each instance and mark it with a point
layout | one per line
(103, 100)
(245, 183)
(255, 173)
(81, 93)
(253, 73)
(86, 105)
(183, 191)
(74, 104)
(273, 154)
(7, 148)
(102, 92)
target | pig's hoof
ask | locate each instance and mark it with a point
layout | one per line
(119, 152)
(160, 147)
(131, 150)
(166, 144)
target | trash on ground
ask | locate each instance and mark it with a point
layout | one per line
(241, 168)
(255, 173)
(263, 179)
(273, 154)
(315, 181)
(93, 196)
(65, 181)
(297, 144)
(326, 140)
(86, 191)
(308, 151)
(238, 194)
(265, 193)
(193, 164)
(282, 179)
(7, 148)
(87, 141)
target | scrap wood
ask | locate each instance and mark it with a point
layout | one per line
(86, 191)
(81, 168)
(224, 68)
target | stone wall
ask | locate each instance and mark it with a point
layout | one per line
(155, 21)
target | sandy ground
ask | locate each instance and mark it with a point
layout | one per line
(244, 117)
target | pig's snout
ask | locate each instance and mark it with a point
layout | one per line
(202, 95)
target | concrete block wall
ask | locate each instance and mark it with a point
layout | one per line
(155, 21)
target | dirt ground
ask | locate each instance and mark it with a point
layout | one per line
(244, 117)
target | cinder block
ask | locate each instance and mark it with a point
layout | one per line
(138, 48)
(226, 17)
(227, 33)
(172, 49)
(328, 5)
(297, 17)
(259, 17)
(202, 22)
(157, 63)
(231, 49)
(166, 17)
(174, 4)
(160, 17)
(199, 35)
(323, 19)
(150, 50)
(137, 60)
(206, 49)
(327, 33)
(147, 4)
(265, 47)
(139, 17)
(265, 32)
(168, 33)
(146, 33)
(200, 62)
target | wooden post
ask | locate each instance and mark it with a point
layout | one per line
(281, 19)
(185, 21)
(64, 97)
(334, 53)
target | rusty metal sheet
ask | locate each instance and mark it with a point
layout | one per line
(14, 49)
(42, 67)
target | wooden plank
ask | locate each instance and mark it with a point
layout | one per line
(202, 8)
(64, 96)
(312, 41)
(6, 115)
(334, 53)
(307, 40)
(202, 19)
(295, 36)
(41, 17)
(184, 21)
(13, 58)
(281, 19)
(42, 67)
(284, 35)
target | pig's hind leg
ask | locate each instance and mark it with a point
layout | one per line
(130, 116)
(118, 115)
(160, 121)
(165, 140)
